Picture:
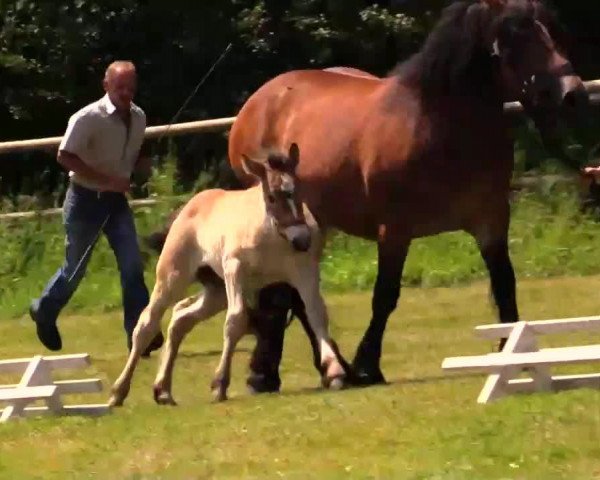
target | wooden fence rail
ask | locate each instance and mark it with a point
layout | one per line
(216, 124)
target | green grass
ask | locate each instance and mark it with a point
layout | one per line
(548, 237)
(424, 425)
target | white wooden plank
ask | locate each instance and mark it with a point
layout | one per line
(16, 365)
(31, 377)
(559, 383)
(541, 327)
(88, 385)
(548, 356)
(28, 393)
(493, 386)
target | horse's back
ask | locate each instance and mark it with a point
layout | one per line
(289, 107)
(346, 134)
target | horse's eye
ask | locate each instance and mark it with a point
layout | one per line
(288, 195)
(271, 198)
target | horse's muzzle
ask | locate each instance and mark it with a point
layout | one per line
(299, 237)
(575, 99)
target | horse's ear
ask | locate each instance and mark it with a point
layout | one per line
(253, 167)
(293, 156)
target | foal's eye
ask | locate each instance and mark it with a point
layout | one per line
(271, 198)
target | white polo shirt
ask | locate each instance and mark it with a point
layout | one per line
(98, 136)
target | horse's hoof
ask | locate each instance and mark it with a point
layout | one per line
(163, 397)
(262, 384)
(219, 395)
(366, 377)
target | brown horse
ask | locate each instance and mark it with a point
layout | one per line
(423, 151)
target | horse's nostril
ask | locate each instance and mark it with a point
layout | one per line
(545, 97)
(576, 99)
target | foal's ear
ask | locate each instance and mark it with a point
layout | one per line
(253, 167)
(293, 156)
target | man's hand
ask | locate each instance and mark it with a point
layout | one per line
(143, 169)
(592, 172)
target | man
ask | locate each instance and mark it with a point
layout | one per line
(101, 150)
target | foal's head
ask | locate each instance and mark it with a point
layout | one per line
(277, 175)
(534, 66)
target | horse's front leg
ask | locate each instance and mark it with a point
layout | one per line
(236, 325)
(391, 254)
(492, 240)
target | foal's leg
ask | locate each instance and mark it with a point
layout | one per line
(493, 245)
(185, 316)
(307, 284)
(236, 325)
(146, 328)
(391, 253)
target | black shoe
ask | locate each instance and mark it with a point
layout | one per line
(156, 343)
(47, 332)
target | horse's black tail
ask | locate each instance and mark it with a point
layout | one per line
(156, 240)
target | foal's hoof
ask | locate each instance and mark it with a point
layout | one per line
(336, 383)
(115, 401)
(163, 397)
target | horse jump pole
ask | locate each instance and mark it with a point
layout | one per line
(217, 124)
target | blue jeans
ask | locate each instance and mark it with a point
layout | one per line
(85, 214)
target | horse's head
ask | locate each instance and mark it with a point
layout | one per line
(277, 177)
(534, 67)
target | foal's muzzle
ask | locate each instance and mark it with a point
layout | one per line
(299, 237)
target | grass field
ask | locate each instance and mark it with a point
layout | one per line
(424, 425)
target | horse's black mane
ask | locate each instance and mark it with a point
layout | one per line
(454, 58)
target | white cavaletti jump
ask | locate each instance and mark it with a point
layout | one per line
(521, 352)
(37, 384)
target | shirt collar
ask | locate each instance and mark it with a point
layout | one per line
(108, 105)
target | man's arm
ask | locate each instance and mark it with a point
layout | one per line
(72, 147)
(143, 165)
(70, 161)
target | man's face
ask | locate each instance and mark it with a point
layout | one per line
(121, 84)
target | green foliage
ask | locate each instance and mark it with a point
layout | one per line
(548, 237)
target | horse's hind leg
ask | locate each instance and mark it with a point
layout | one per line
(492, 240)
(392, 253)
(185, 316)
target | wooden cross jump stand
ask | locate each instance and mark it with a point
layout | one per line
(37, 384)
(521, 352)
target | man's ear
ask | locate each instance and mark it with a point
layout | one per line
(253, 167)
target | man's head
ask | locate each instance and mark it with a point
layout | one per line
(120, 83)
